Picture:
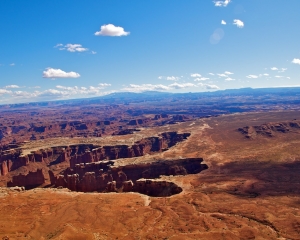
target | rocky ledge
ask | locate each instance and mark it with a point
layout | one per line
(270, 129)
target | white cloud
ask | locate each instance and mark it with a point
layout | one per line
(222, 3)
(60, 92)
(229, 79)
(274, 68)
(222, 75)
(223, 22)
(282, 70)
(103, 85)
(58, 73)
(208, 86)
(296, 61)
(252, 76)
(91, 90)
(12, 64)
(71, 47)
(266, 74)
(201, 79)
(157, 87)
(112, 31)
(181, 85)
(58, 45)
(238, 23)
(195, 75)
(279, 76)
(169, 78)
(172, 78)
(12, 86)
(146, 87)
(4, 91)
(228, 73)
(75, 48)
(212, 74)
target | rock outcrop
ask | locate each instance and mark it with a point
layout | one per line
(270, 129)
(157, 188)
(140, 148)
(31, 180)
(87, 153)
(104, 177)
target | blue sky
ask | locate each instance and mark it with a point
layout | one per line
(65, 49)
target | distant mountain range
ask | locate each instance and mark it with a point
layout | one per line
(131, 97)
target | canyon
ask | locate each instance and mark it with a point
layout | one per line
(162, 168)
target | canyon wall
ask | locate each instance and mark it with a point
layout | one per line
(87, 153)
(31, 180)
(104, 177)
(270, 129)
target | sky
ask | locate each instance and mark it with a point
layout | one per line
(51, 50)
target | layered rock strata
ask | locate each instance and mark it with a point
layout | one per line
(31, 180)
(270, 129)
(105, 177)
(87, 153)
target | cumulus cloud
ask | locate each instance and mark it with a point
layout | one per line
(4, 91)
(58, 73)
(157, 87)
(222, 3)
(93, 52)
(172, 78)
(169, 78)
(60, 92)
(282, 70)
(145, 87)
(208, 86)
(112, 31)
(222, 75)
(75, 90)
(274, 68)
(212, 74)
(181, 85)
(228, 73)
(12, 86)
(229, 79)
(58, 45)
(238, 23)
(12, 64)
(279, 76)
(103, 85)
(223, 22)
(252, 76)
(296, 61)
(160, 87)
(201, 79)
(195, 75)
(266, 74)
(72, 47)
